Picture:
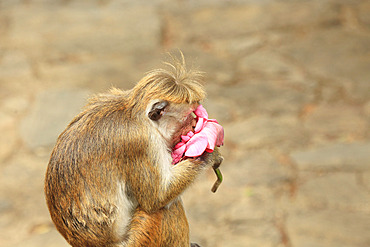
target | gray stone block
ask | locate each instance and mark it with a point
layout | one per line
(52, 111)
(333, 191)
(336, 121)
(263, 131)
(337, 156)
(329, 228)
(335, 54)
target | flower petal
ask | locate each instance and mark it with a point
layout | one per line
(220, 137)
(190, 134)
(185, 138)
(201, 112)
(200, 125)
(212, 120)
(177, 154)
(196, 145)
(178, 145)
(215, 134)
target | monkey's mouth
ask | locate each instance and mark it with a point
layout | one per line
(207, 134)
(188, 125)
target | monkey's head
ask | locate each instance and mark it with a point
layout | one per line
(168, 99)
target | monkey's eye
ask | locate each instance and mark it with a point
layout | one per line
(157, 110)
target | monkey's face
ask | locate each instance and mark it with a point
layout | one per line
(172, 120)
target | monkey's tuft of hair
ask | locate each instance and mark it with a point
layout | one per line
(178, 84)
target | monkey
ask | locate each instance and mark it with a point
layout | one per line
(110, 181)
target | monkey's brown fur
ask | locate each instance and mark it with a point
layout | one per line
(109, 182)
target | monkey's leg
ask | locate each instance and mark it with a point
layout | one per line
(145, 229)
(167, 227)
(175, 228)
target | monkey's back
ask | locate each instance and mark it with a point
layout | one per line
(84, 174)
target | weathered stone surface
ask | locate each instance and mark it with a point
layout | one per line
(22, 187)
(329, 228)
(336, 54)
(238, 46)
(247, 220)
(267, 64)
(47, 239)
(195, 23)
(256, 234)
(363, 10)
(257, 168)
(248, 211)
(84, 28)
(256, 96)
(348, 157)
(5, 205)
(333, 191)
(288, 80)
(91, 45)
(365, 180)
(16, 74)
(95, 74)
(218, 69)
(222, 110)
(337, 121)
(14, 65)
(52, 111)
(367, 109)
(261, 131)
(98, 73)
(8, 138)
(15, 105)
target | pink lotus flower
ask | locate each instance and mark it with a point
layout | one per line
(207, 134)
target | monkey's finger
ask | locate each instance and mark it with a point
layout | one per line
(218, 162)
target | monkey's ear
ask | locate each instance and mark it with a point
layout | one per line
(157, 109)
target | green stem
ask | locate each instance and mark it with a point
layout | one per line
(218, 181)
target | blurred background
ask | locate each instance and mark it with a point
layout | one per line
(289, 80)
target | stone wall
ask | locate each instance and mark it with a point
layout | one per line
(289, 81)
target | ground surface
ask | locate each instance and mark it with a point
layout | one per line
(289, 81)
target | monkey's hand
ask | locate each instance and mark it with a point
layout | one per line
(213, 159)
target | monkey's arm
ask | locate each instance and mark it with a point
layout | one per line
(154, 190)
